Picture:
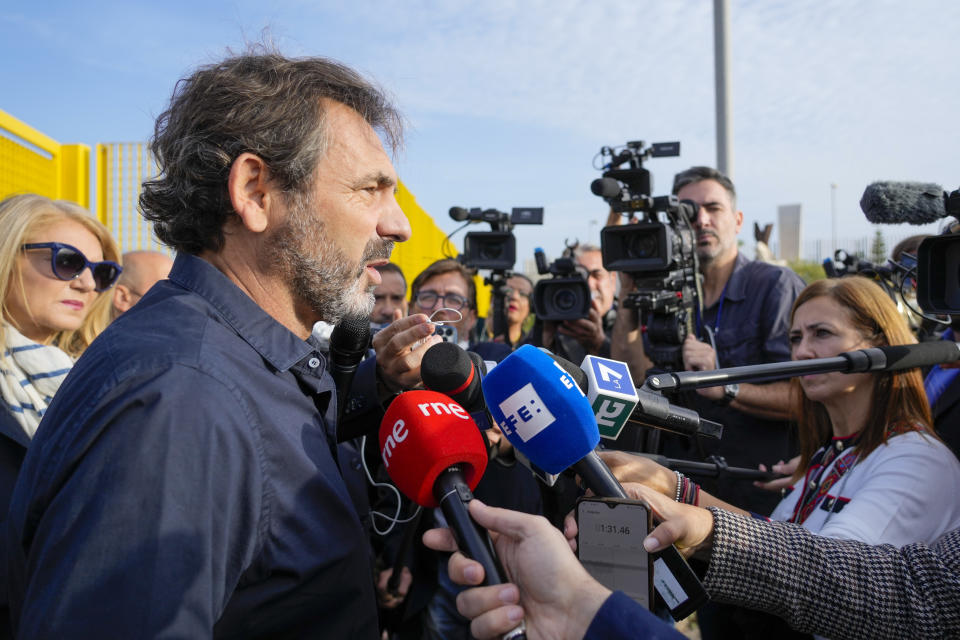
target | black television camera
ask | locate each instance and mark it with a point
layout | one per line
(565, 296)
(938, 266)
(658, 252)
(495, 249)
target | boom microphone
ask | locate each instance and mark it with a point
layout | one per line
(890, 358)
(435, 454)
(605, 187)
(911, 202)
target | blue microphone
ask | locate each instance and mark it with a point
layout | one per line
(547, 418)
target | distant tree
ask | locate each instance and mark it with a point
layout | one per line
(808, 270)
(878, 249)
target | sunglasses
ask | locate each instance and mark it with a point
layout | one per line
(68, 263)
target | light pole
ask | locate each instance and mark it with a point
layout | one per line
(833, 218)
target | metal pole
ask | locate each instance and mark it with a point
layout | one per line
(833, 218)
(721, 57)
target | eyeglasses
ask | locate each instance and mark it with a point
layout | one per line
(68, 263)
(509, 291)
(428, 300)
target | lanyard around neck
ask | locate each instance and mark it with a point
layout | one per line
(716, 322)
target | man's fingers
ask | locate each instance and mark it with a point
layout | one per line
(509, 523)
(570, 531)
(474, 602)
(439, 540)
(496, 623)
(464, 571)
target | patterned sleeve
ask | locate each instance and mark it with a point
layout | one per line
(836, 588)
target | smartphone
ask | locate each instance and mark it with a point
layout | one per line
(446, 332)
(610, 545)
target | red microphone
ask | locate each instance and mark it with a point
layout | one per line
(434, 453)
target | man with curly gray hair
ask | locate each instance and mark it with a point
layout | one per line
(185, 481)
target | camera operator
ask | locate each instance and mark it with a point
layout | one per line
(746, 313)
(576, 339)
(745, 321)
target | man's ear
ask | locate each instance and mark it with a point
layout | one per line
(122, 300)
(250, 191)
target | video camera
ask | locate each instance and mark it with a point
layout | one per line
(658, 252)
(495, 249)
(565, 296)
(938, 268)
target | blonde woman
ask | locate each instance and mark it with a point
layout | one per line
(56, 265)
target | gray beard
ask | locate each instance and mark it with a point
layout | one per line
(318, 271)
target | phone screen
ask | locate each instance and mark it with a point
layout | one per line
(610, 545)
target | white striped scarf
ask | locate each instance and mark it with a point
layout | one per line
(30, 373)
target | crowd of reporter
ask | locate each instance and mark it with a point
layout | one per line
(865, 462)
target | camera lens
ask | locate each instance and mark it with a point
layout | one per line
(643, 245)
(564, 300)
(491, 250)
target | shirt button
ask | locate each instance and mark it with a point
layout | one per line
(313, 363)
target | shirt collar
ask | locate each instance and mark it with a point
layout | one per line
(274, 342)
(736, 288)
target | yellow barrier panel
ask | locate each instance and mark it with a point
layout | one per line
(121, 169)
(75, 174)
(426, 245)
(29, 160)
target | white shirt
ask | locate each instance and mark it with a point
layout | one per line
(903, 492)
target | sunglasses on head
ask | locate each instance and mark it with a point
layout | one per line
(68, 263)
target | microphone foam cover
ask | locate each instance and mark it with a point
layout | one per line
(422, 434)
(445, 367)
(540, 409)
(350, 337)
(897, 202)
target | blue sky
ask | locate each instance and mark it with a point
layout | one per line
(508, 102)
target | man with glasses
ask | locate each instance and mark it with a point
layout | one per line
(141, 270)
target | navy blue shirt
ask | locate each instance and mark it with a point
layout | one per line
(751, 322)
(184, 483)
(621, 618)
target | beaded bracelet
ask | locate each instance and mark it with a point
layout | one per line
(688, 491)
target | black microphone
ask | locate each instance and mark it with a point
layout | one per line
(459, 213)
(456, 373)
(605, 187)
(348, 345)
(448, 369)
(911, 202)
